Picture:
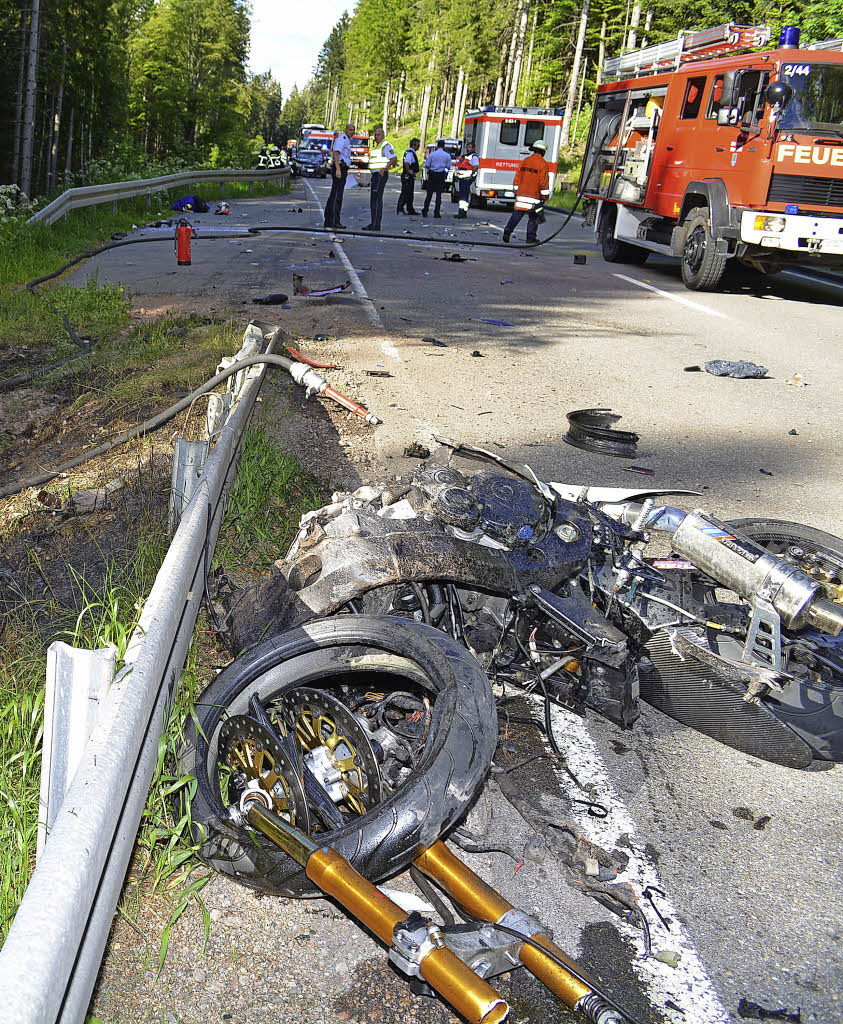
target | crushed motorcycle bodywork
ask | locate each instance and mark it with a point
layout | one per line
(522, 572)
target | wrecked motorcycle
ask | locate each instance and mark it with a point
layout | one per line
(404, 612)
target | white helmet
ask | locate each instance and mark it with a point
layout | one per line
(540, 145)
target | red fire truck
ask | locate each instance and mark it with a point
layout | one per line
(360, 150)
(502, 138)
(709, 150)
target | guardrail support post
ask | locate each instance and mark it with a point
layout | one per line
(251, 183)
(189, 459)
(76, 681)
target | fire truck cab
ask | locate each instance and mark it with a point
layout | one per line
(714, 154)
(502, 138)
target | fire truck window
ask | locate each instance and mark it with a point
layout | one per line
(749, 98)
(533, 132)
(693, 98)
(714, 99)
(509, 132)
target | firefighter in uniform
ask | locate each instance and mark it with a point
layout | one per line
(465, 172)
(408, 180)
(381, 158)
(532, 187)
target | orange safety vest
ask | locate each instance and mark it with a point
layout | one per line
(532, 182)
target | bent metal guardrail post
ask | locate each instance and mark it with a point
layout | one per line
(52, 954)
(91, 195)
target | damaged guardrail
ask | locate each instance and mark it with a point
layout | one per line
(52, 954)
(92, 195)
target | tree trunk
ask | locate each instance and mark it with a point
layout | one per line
(385, 125)
(399, 102)
(564, 141)
(68, 161)
(499, 91)
(328, 101)
(528, 74)
(602, 52)
(648, 24)
(519, 53)
(633, 27)
(457, 102)
(428, 86)
(511, 52)
(29, 101)
(579, 101)
(19, 100)
(443, 102)
(52, 170)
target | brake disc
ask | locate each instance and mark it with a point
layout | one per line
(337, 748)
(257, 760)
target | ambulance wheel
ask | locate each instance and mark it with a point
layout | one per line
(702, 266)
(615, 251)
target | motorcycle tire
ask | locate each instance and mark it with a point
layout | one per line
(450, 769)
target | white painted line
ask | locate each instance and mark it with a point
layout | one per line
(687, 985)
(675, 298)
(368, 306)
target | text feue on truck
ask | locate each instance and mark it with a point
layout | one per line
(702, 149)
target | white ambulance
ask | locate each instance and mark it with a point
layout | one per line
(502, 138)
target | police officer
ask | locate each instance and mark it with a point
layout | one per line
(408, 180)
(465, 172)
(340, 162)
(532, 187)
(381, 158)
(438, 163)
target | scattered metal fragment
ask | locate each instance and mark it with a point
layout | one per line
(455, 257)
(300, 288)
(417, 451)
(591, 430)
(639, 469)
(648, 894)
(741, 369)
(754, 1011)
(377, 373)
(793, 433)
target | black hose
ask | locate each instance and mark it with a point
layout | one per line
(431, 895)
(147, 426)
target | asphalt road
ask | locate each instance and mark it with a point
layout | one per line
(754, 912)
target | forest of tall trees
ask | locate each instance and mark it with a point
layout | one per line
(422, 65)
(92, 89)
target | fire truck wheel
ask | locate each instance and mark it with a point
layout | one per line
(702, 266)
(615, 251)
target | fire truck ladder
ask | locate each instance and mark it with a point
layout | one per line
(711, 42)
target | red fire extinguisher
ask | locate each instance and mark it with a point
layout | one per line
(184, 232)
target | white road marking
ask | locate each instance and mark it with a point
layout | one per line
(368, 306)
(495, 226)
(674, 298)
(688, 984)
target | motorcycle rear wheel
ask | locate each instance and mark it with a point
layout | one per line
(448, 772)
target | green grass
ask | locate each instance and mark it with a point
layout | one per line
(270, 495)
(28, 251)
(108, 614)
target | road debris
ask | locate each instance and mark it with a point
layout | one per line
(377, 373)
(477, 354)
(434, 341)
(275, 299)
(639, 469)
(294, 352)
(579, 258)
(741, 369)
(797, 381)
(794, 432)
(300, 288)
(455, 257)
(766, 472)
(754, 1011)
(486, 320)
(417, 451)
(591, 430)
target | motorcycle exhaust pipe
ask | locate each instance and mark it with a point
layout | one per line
(557, 971)
(469, 994)
(753, 572)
